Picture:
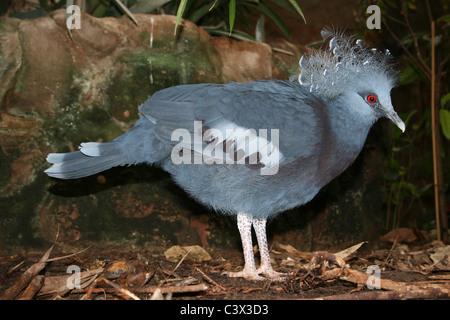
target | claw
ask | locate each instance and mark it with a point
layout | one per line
(250, 272)
(246, 274)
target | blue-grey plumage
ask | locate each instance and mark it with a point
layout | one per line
(321, 129)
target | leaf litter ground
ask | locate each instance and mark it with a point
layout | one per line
(397, 272)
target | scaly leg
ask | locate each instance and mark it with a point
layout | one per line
(244, 222)
(266, 266)
(250, 272)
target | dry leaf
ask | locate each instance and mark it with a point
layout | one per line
(347, 252)
(58, 284)
(12, 292)
(441, 254)
(193, 253)
(400, 235)
(288, 248)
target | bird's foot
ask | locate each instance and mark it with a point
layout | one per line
(246, 274)
(271, 274)
(268, 273)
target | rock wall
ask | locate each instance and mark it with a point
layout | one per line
(57, 91)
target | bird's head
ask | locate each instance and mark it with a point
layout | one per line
(348, 69)
(369, 96)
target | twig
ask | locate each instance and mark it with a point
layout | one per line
(289, 53)
(176, 267)
(411, 56)
(392, 249)
(182, 259)
(209, 279)
(120, 289)
(443, 62)
(404, 290)
(439, 196)
(35, 285)
(88, 291)
(173, 289)
(128, 12)
(212, 5)
(413, 35)
(15, 267)
(59, 285)
(396, 290)
(68, 256)
(395, 20)
(430, 15)
(433, 136)
(440, 277)
(164, 290)
(12, 292)
(379, 295)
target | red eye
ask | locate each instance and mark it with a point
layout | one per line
(371, 98)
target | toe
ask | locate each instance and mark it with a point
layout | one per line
(276, 276)
(271, 274)
(249, 275)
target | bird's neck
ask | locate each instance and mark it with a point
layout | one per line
(350, 123)
(349, 129)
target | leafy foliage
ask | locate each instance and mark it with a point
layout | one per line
(408, 179)
(220, 8)
(222, 14)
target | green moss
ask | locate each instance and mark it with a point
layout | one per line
(19, 228)
(144, 36)
(6, 26)
(136, 75)
(5, 170)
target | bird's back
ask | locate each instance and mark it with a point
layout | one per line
(278, 105)
(305, 141)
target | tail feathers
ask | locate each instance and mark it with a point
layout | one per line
(138, 145)
(97, 149)
(91, 159)
(62, 157)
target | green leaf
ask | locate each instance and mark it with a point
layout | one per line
(272, 15)
(284, 5)
(43, 4)
(444, 116)
(232, 14)
(445, 18)
(199, 13)
(407, 76)
(180, 12)
(445, 99)
(145, 6)
(297, 7)
(259, 30)
(239, 35)
(411, 73)
(125, 9)
(58, 5)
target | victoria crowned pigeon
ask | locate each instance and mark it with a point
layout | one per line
(254, 150)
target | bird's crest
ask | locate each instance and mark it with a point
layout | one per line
(342, 65)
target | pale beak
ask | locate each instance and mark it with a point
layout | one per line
(393, 116)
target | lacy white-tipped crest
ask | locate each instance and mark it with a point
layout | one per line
(344, 64)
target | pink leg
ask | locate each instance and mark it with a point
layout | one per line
(244, 222)
(249, 272)
(266, 266)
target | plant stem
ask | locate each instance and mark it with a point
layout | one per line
(439, 196)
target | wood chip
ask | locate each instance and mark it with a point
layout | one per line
(12, 292)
